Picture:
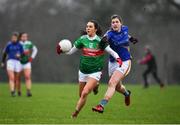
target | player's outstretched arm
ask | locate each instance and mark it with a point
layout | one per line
(34, 52)
(72, 50)
(114, 54)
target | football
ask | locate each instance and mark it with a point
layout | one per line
(65, 45)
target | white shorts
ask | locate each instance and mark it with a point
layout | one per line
(84, 77)
(13, 65)
(26, 66)
(124, 69)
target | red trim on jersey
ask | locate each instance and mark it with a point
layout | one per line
(92, 52)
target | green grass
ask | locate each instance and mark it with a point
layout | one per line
(54, 103)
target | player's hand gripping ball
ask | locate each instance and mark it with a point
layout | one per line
(63, 46)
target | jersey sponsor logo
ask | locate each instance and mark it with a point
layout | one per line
(91, 45)
(92, 52)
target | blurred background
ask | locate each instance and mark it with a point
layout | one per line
(153, 22)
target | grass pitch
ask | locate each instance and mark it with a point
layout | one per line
(54, 103)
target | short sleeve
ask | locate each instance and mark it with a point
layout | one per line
(103, 43)
(31, 45)
(125, 31)
(6, 49)
(78, 43)
(107, 34)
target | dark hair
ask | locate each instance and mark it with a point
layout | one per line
(117, 16)
(83, 32)
(15, 34)
(20, 35)
(96, 25)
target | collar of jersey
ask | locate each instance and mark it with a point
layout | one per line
(92, 38)
(119, 31)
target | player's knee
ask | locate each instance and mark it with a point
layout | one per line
(112, 83)
(84, 93)
(17, 81)
(27, 77)
(12, 78)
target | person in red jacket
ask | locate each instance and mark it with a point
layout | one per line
(150, 61)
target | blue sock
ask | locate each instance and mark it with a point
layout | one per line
(103, 102)
(126, 93)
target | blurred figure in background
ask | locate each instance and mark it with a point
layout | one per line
(30, 52)
(150, 61)
(14, 52)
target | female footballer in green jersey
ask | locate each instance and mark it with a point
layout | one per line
(30, 51)
(91, 61)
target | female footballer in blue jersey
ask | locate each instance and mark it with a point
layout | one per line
(13, 51)
(118, 39)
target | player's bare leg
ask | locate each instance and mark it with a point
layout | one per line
(114, 80)
(81, 87)
(95, 90)
(121, 89)
(11, 76)
(17, 83)
(91, 83)
(27, 75)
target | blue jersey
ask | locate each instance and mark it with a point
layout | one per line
(12, 49)
(119, 42)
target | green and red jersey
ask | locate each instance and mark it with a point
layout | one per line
(27, 46)
(92, 58)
